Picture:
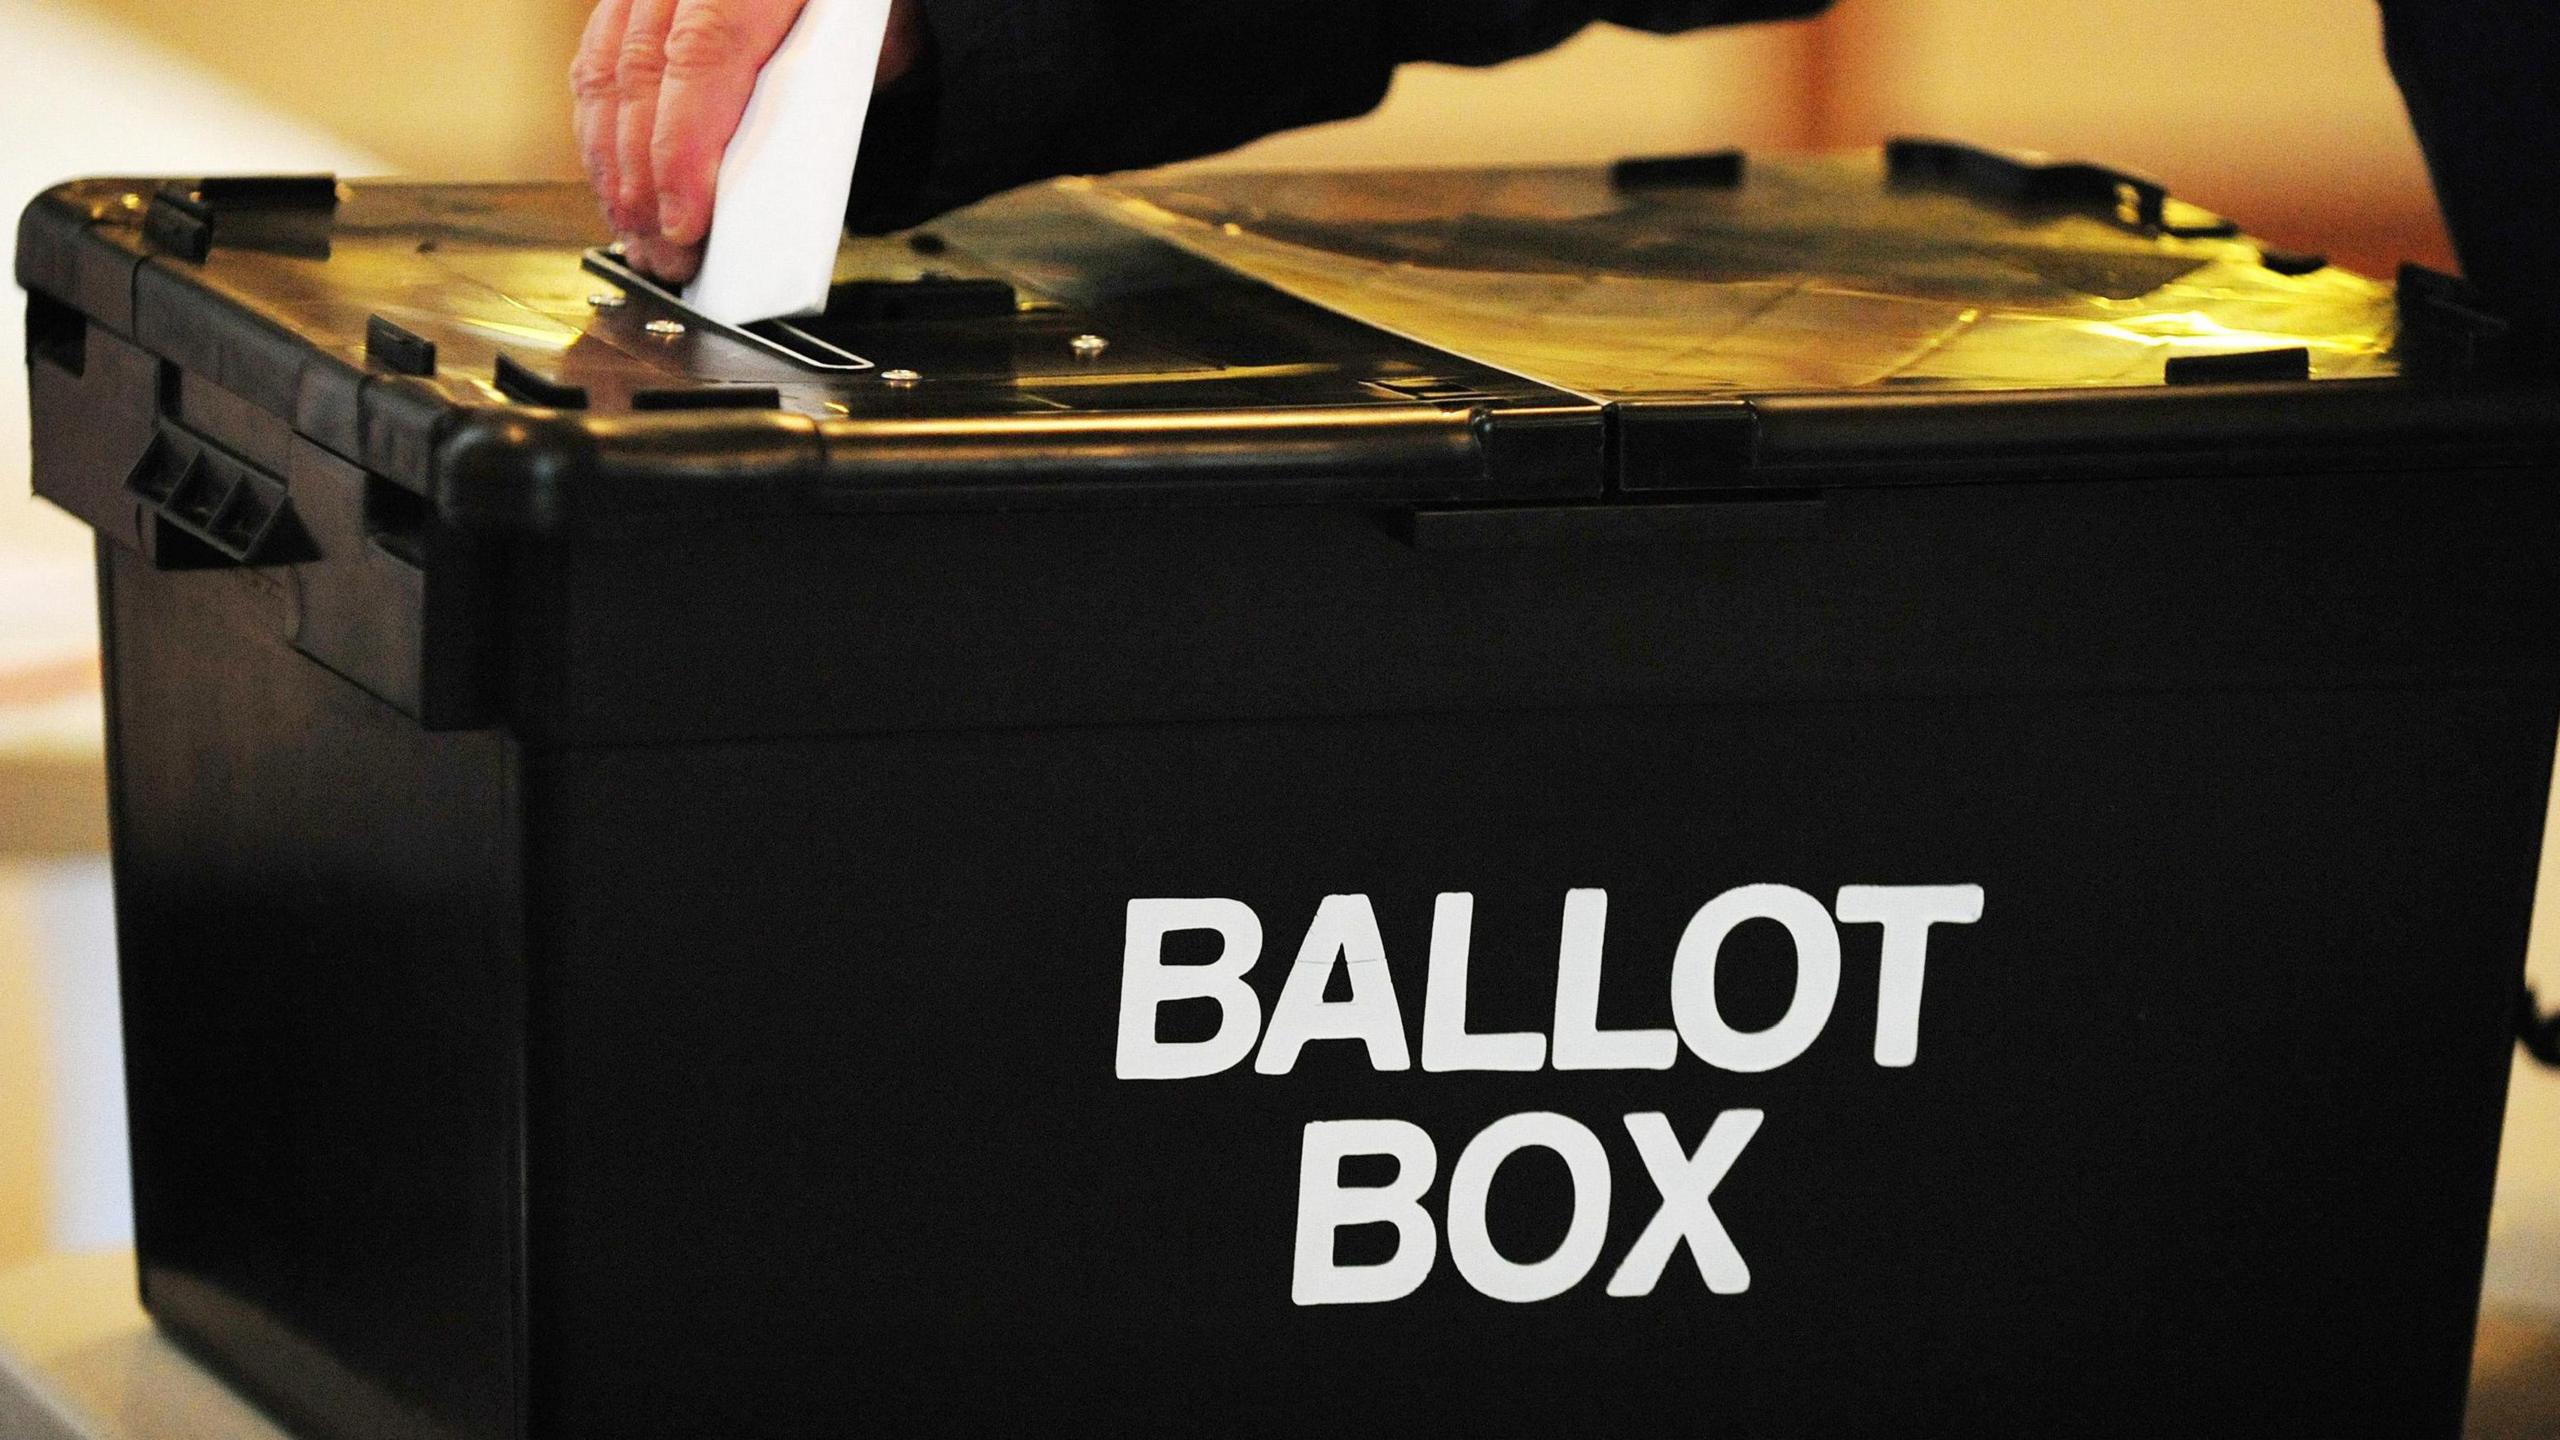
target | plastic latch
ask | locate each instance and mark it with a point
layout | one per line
(1713, 170)
(2030, 178)
(519, 381)
(2239, 367)
(222, 509)
(397, 350)
(179, 223)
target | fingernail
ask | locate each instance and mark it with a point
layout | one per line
(675, 219)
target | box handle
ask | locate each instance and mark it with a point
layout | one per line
(207, 507)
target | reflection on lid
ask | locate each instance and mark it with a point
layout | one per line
(1814, 274)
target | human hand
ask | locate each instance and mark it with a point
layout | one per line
(659, 87)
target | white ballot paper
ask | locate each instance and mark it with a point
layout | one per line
(784, 181)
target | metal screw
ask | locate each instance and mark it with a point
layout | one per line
(1089, 347)
(899, 378)
(614, 249)
(130, 201)
(608, 302)
(668, 328)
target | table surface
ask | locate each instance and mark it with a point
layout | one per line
(79, 1361)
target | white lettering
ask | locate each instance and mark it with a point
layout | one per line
(1686, 1183)
(1345, 931)
(1580, 1042)
(1147, 984)
(1906, 912)
(1693, 978)
(1446, 1043)
(1325, 1206)
(1471, 1184)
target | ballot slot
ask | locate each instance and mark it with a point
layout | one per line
(786, 338)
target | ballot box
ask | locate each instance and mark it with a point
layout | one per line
(1870, 795)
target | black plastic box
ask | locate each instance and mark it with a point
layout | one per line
(653, 875)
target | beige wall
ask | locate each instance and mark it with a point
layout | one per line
(453, 89)
(2279, 112)
(25, 1137)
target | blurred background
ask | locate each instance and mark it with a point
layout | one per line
(2279, 114)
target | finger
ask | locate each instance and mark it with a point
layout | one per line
(591, 93)
(665, 261)
(639, 66)
(714, 50)
(660, 260)
(676, 264)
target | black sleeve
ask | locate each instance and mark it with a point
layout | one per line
(1020, 90)
(2480, 77)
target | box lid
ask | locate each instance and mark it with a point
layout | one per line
(1928, 307)
(1397, 338)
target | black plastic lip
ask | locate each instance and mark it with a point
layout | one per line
(2239, 422)
(1917, 437)
(547, 473)
(781, 337)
